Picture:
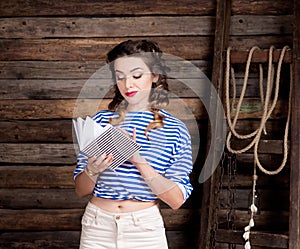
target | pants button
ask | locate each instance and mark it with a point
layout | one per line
(118, 217)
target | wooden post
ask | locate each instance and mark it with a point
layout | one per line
(294, 229)
(223, 13)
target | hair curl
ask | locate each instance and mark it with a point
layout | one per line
(151, 54)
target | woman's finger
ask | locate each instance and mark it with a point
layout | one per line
(92, 159)
(100, 160)
(109, 159)
(134, 134)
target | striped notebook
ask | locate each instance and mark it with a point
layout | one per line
(95, 140)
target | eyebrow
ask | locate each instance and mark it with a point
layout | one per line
(132, 70)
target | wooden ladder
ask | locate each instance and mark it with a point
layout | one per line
(292, 241)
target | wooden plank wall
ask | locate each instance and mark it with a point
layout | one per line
(272, 222)
(47, 52)
(294, 226)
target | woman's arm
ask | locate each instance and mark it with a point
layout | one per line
(85, 181)
(84, 184)
(166, 190)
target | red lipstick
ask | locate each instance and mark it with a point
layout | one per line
(130, 94)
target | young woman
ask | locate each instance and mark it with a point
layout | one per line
(123, 210)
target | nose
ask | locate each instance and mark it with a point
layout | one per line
(128, 82)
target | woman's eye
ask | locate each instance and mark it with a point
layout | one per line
(119, 78)
(137, 76)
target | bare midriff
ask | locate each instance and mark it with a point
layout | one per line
(121, 206)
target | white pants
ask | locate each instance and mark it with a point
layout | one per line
(141, 229)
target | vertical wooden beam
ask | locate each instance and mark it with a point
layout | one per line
(223, 14)
(294, 224)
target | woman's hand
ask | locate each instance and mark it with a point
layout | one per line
(85, 182)
(97, 165)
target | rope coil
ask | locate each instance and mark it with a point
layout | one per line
(266, 102)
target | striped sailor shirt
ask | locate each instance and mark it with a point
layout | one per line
(168, 151)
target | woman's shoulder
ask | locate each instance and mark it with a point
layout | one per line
(170, 118)
(171, 121)
(176, 128)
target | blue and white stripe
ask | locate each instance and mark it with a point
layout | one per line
(168, 151)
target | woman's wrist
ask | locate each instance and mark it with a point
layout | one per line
(140, 163)
(90, 172)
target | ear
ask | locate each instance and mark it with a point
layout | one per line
(155, 78)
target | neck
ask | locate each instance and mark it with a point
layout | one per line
(137, 108)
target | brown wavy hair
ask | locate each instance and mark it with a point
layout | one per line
(151, 54)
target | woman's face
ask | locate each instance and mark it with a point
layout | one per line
(134, 80)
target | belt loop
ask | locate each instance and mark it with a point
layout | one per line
(135, 219)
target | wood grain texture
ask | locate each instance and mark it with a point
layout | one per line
(106, 27)
(95, 8)
(294, 221)
(257, 238)
(47, 27)
(262, 7)
(37, 177)
(62, 49)
(195, 48)
(70, 70)
(106, 8)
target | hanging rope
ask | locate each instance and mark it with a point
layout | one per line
(266, 110)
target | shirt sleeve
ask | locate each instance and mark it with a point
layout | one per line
(182, 164)
(81, 164)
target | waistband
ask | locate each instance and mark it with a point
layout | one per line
(154, 210)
